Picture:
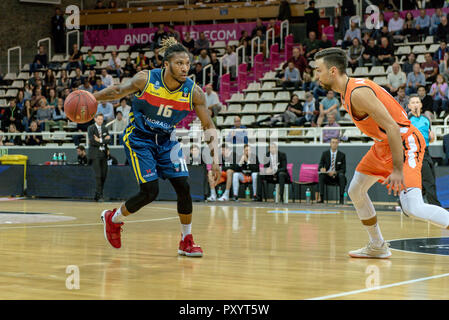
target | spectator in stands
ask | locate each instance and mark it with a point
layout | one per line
(325, 42)
(309, 109)
(246, 171)
(12, 115)
(114, 63)
(105, 108)
(14, 140)
(124, 108)
(99, 5)
(439, 94)
(293, 114)
(20, 99)
(292, 77)
(426, 101)
(75, 59)
(227, 171)
(58, 31)
(34, 140)
(33, 80)
(415, 79)
(365, 39)
(203, 58)
(332, 170)
(40, 60)
(395, 24)
(90, 61)
(347, 11)
(159, 36)
(312, 45)
(443, 67)
(308, 84)
(63, 82)
(409, 30)
(52, 98)
(259, 26)
(58, 116)
(156, 60)
(86, 86)
(443, 29)
(329, 134)
(119, 124)
(198, 72)
(129, 70)
(277, 30)
(230, 61)
(396, 79)
(422, 23)
(384, 33)
(353, 32)
(65, 93)
(328, 105)
(442, 50)
(173, 33)
(379, 26)
(407, 66)
(188, 42)
(212, 101)
(78, 79)
(201, 43)
(44, 115)
(385, 52)
(436, 20)
(2, 137)
(430, 68)
(355, 54)
(298, 59)
(263, 42)
(82, 155)
(27, 114)
(311, 16)
(275, 171)
(28, 92)
(402, 98)
(245, 41)
(238, 136)
(142, 61)
(369, 54)
(106, 78)
(285, 12)
(49, 80)
(216, 68)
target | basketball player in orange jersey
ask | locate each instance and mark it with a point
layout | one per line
(395, 159)
(163, 98)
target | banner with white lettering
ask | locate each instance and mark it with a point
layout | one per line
(214, 32)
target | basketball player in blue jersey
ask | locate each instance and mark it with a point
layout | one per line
(163, 98)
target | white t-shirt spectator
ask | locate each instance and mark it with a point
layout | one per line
(107, 80)
(396, 80)
(230, 60)
(212, 99)
(125, 111)
(111, 63)
(119, 126)
(395, 25)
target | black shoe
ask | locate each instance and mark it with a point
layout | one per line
(321, 201)
(258, 199)
(341, 201)
(236, 199)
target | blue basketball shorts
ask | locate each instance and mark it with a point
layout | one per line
(153, 158)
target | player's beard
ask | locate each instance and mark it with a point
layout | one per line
(173, 76)
(326, 87)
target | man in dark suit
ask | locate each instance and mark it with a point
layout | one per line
(275, 171)
(98, 140)
(332, 169)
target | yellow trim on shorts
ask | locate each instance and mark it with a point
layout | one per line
(132, 154)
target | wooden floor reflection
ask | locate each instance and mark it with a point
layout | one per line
(250, 253)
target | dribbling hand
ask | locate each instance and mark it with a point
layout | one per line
(395, 182)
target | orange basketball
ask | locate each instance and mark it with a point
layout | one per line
(80, 106)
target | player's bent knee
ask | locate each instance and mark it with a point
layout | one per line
(147, 194)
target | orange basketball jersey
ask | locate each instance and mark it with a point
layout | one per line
(368, 126)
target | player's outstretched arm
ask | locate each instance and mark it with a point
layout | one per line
(115, 92)
(364, 100)
(211, 134)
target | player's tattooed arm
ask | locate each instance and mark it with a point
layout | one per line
(210, 134)
(133, 85)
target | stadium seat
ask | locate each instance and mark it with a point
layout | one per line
(236, 97)
(377, 71)
(134, 55)
(23, 76)
(403, 50)
(301, 95)
(270, 75)
(349, 71)
(229, 121)
(429, 40)
(381, 80)
(111, 48)
(149, 54)
(106, 56)
(219, 121)
(250, 108)
(123, 48)
(17, 84)
(268, 85)
(233, 43)
(253, 86)
(282, 96)
(419, 49)
(84, 49)
(360, 71)
(123, 55)
(57, 58)
(280, 107)
(433, 48)
(98, 49)
(265, 108)
(219, 44)
(10, 76)
(420, 59)
(11, 93)
(267, 96)
(234, 108)
(2, 94)
(248, 120)
(253, 96)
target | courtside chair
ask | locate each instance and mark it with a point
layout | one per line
(308, 176)
(277, 187)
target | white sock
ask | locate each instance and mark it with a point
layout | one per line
(186, 230)
(118, 216)
(213, 194)
(375, 235)
(226, 194)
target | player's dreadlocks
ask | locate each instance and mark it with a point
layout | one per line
(170, 46)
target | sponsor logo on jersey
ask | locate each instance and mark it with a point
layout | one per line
(157, 85)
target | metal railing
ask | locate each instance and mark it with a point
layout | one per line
(209, 66)
(241, 48)
(286, 25)
(49, 46)
(67, 40)
(193, 77)
(267, 49)
(253, 40)
(9, 57)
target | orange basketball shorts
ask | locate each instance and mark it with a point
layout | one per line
(379, 161)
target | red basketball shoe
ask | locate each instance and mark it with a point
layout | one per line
(111, 230)
(188, 248)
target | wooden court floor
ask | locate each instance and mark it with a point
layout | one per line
(251, 252)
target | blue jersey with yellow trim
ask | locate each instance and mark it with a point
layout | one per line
(157, 109)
